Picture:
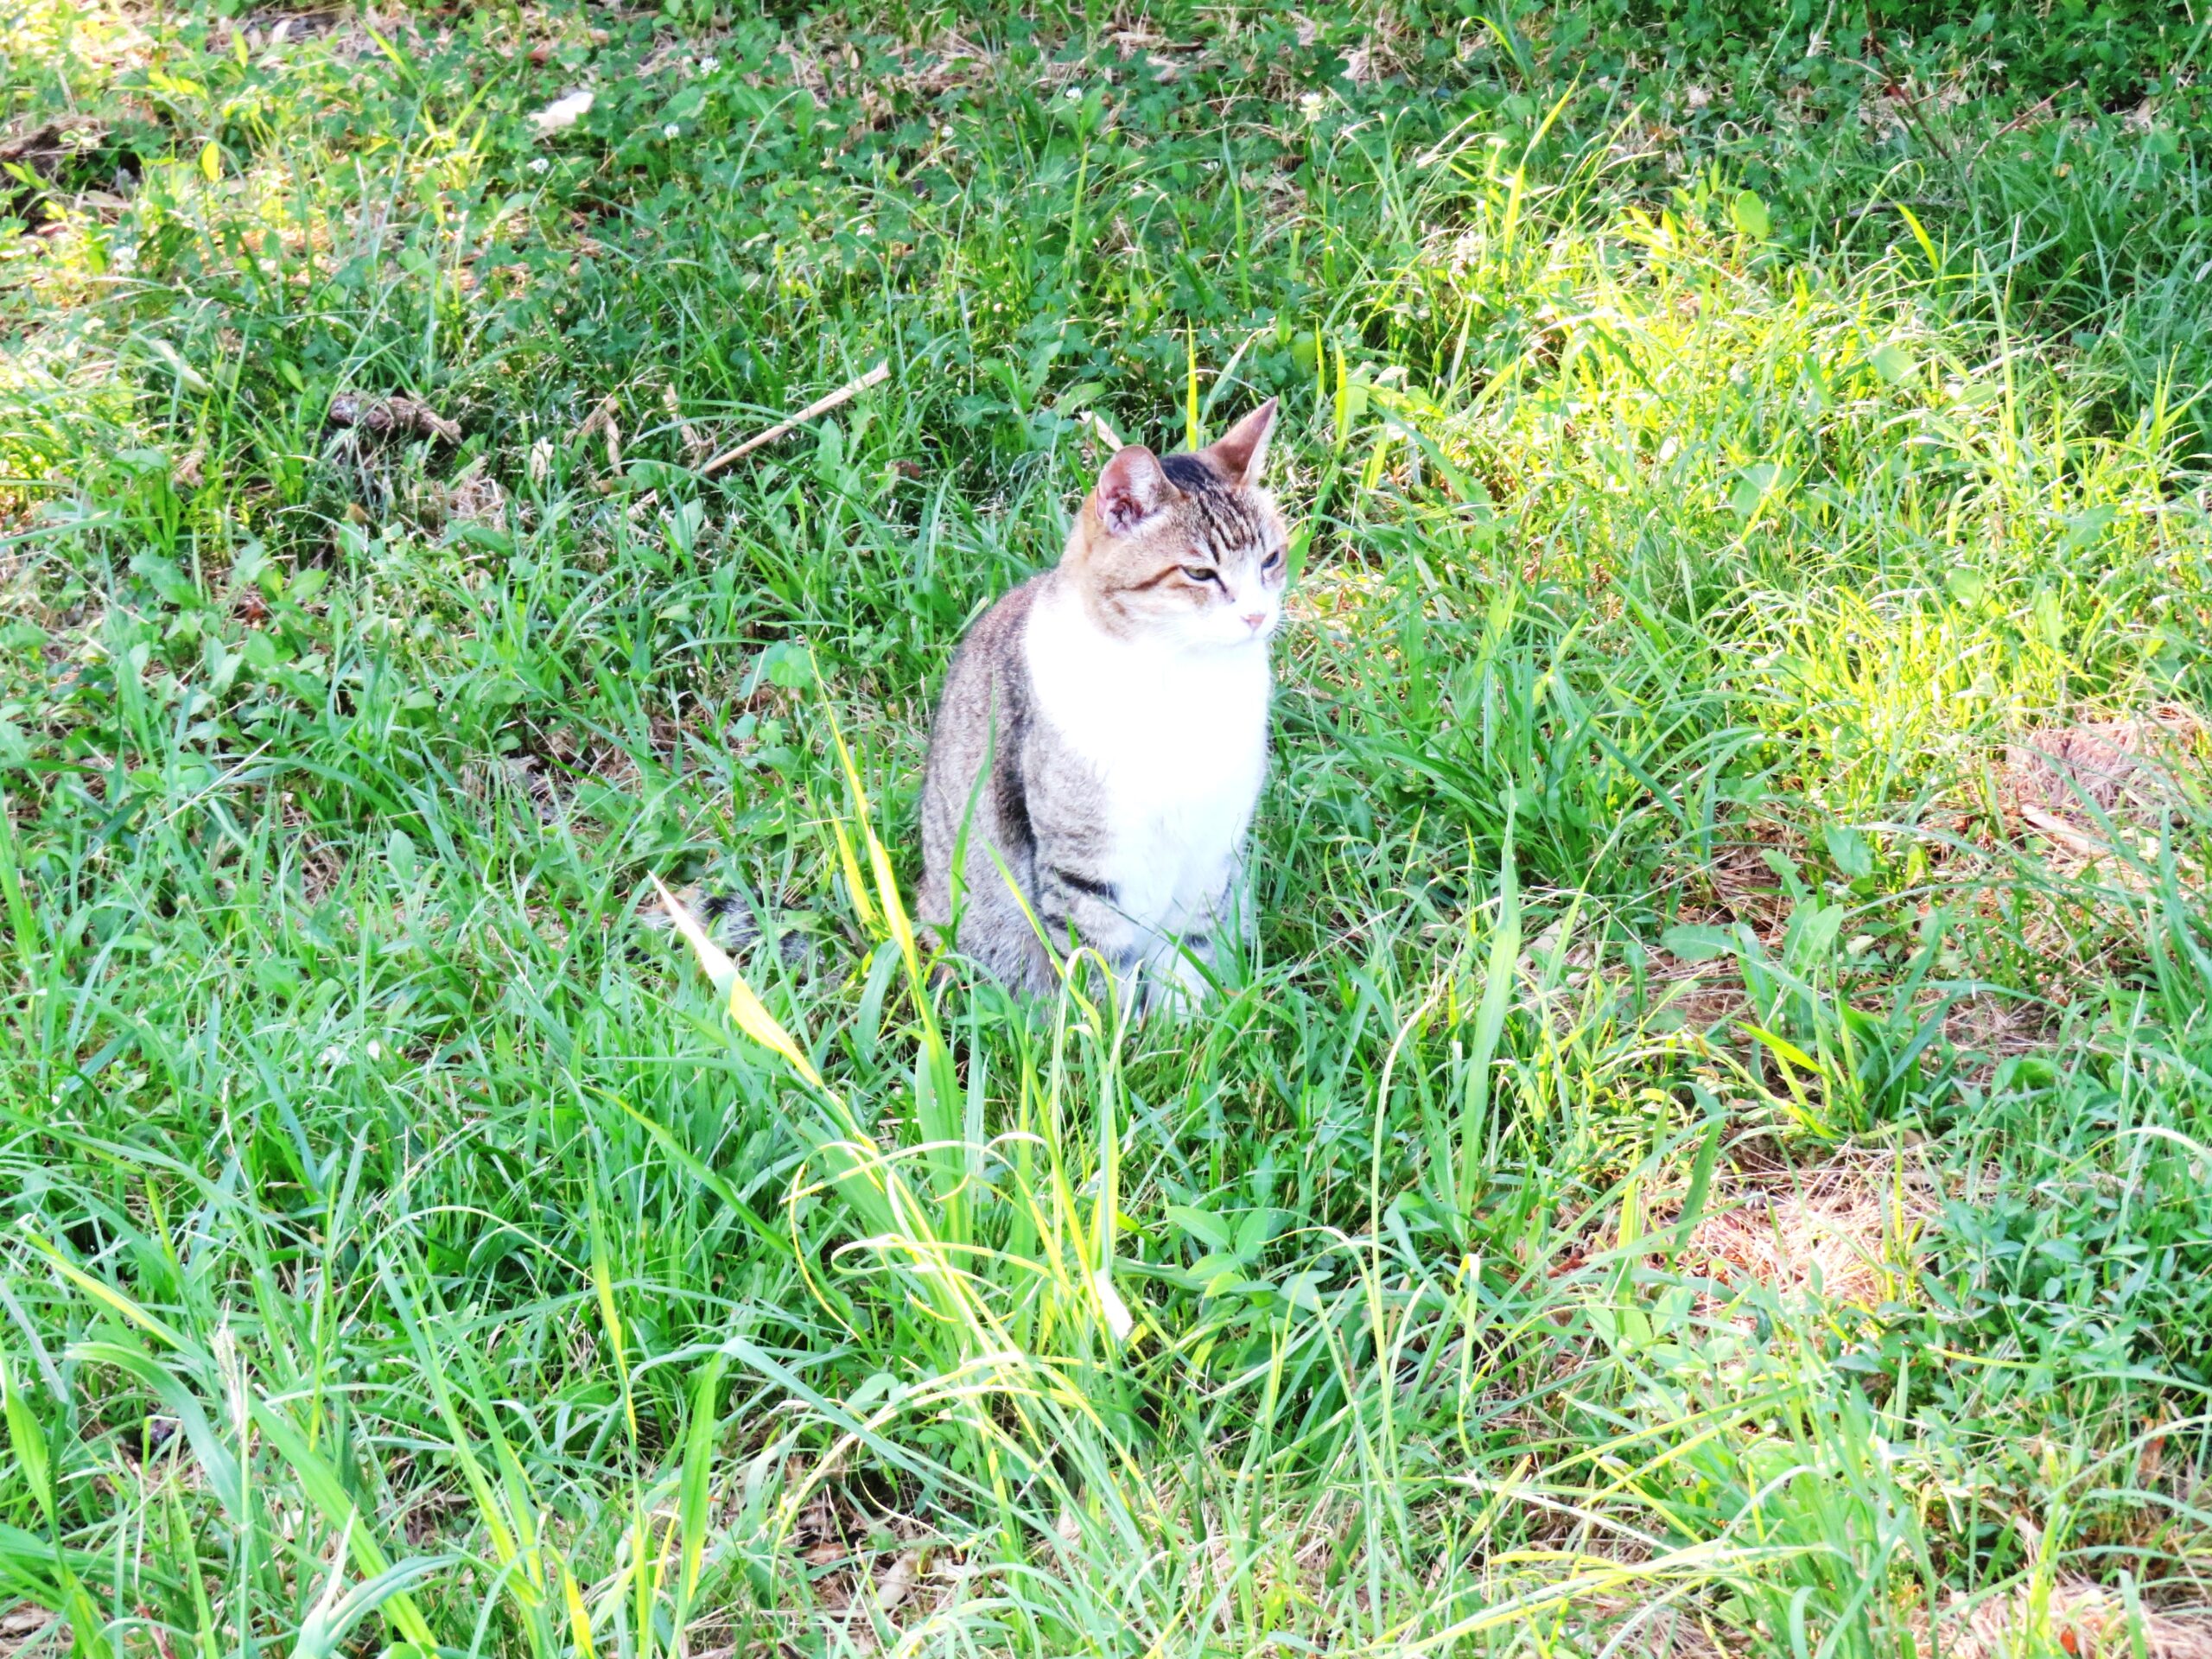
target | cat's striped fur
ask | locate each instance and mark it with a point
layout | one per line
(1103, 734)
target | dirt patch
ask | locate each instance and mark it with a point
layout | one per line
(2083, 1619)
(320, 866)
(1985, 1029)
(2126, 772)
(2101, 793)
(21, 1625)
(1847, 1229)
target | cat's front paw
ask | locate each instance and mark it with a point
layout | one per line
(1175, 985)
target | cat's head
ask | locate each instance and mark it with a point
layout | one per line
(1185, 550)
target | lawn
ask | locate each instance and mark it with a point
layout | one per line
(1710, 1151)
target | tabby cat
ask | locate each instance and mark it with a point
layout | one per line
(1103, 734)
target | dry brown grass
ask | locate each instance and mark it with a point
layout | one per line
(2130, 770)
(1847, 1229)
(2099, 793)
(20, 1632)
(1991, 1029)
(2077, 1617)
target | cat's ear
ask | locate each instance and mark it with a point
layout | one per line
(1131, 489)
(1241, 451)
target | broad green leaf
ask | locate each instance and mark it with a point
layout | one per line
(1694, 942)
(1849, 850)
(1201, 1225)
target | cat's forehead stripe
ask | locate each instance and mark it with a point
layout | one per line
(1226, 521)
(1188, 472)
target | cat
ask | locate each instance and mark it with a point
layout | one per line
(1102, 737)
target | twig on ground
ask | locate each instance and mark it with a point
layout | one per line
(1901, 86)
(844, 394)
(822, 405)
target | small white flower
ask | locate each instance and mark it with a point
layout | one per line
(539, 164)
(331, 1057)
(1310, 106)
(671, 130)
(1075, 94)
(376, 1049)
(709, 66)
(945, 132)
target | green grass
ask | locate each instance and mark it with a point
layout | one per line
(1689, 1164)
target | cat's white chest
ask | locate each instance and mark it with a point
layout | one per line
(1178, 741)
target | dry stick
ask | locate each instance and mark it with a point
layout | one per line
(2092, 849)
(2021, 122)
(1911, 98)
(844, 394)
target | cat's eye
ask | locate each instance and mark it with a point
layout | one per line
(1271, 560)
(1201, 573)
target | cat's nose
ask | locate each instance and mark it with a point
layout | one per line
(1255, 621)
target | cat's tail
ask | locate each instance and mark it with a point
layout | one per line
(735, 921)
